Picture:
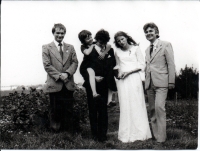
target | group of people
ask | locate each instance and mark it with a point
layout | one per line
(106, 71)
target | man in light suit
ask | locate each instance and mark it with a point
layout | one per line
(160, 76)
(60, 63)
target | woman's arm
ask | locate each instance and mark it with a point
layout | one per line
(141, 64)
(140, 59)
(125, 74)
(117, 67)
(102, 55)
(88, 50)
(117, 61)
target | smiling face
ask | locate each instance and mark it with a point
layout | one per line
(59, 34)
(122, 41)
(89, 40)
(151, 34)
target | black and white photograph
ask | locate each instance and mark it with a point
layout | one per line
(99, 75)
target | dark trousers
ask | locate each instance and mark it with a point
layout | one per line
(61, 109)
(98, 114)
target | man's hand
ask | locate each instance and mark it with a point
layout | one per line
(98, 78)
(171, 86)
(64, 77)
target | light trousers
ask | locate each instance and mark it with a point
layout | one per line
(157, 97)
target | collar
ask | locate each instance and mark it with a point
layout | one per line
(56, 43)
(98, 48)
(155, 42)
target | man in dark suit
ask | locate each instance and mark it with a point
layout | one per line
(98, 107)
(60, 63)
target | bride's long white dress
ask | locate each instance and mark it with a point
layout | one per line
(133, 122)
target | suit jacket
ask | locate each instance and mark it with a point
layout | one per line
(54, 65)
(160, 67)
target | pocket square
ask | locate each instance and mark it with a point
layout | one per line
(109, 56)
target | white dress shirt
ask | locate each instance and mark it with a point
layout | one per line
(98, 49)
(58, 47)
(154, 45)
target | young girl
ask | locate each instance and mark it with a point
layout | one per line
(86, 39)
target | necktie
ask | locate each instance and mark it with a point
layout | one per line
(61, 52)
(151, 49)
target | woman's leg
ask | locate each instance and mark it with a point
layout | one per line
(92, 81)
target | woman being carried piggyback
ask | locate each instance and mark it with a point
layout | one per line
(87, 46)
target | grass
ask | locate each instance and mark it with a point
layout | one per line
(180, 133)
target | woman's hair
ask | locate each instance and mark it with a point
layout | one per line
(102, 36)
(130, 40)
(84, 34)
(151, 25)
(60, 26)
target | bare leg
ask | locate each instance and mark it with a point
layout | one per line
(110, 93)
(92, 81)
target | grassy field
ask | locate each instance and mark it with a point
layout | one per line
(182, 125)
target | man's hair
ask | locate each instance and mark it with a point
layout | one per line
(130, 40)
(102, 36)
(84, 34)
(151, 25)
(60, 26)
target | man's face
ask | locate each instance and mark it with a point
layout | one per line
(151, 34)
(101, 44)
(59, 34)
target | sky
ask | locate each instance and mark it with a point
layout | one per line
(27, 25)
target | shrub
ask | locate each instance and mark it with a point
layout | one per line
(22, 110)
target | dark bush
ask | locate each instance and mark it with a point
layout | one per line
(20, 110)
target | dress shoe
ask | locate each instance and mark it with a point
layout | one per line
(55, 126)
(102, 140)
(97, 97)
(111, 104)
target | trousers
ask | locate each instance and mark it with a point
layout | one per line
(157, 98)
(98, 114)
(61, 109)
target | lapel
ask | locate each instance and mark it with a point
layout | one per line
(66, 53)
(107, 54)
(158, 48)
(54, 51)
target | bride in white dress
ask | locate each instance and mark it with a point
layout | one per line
(133, 122)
